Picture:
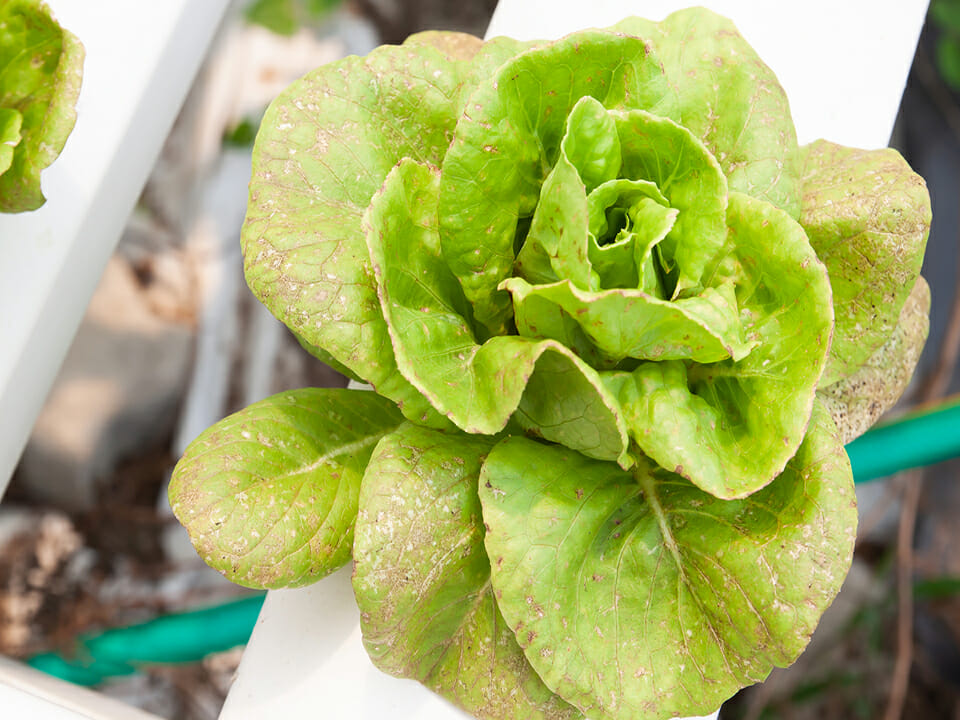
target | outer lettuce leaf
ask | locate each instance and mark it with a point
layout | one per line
(422, 579)
(40, 70)
(326, 358)
(857, 401)
(452, 45)
(730, 427)
(509, 138)
(867, 215)
(638, 595)
(481, 58)
(313, 176)
(477, 386)
(728, 97)
(269, 494)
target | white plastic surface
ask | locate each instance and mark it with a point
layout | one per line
(141, 58)
(307, 661)
(843, 63)
(27, 694)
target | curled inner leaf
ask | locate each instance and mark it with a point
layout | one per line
(478, 386)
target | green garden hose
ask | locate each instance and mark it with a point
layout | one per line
(920, 438)
(178, 638)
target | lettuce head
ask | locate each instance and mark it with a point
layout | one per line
(618, 325)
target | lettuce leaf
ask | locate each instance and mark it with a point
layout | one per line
(422, 579)
(867, 215)
(269, 494)
(636, 594)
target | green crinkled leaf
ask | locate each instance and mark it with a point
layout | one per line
(867, 215)
(422, 579)
(479, 59)
(556, 245)
(661, 151)
(325, 147)
(671, 164)
(591, 143)
(479, 387)
(632, 324)
(40, 70)
(627, 259)
(857, 401)
(540, 318)
(637, 595)
(509, 138)
(728, 97)
(731, 426)
(622, 193)
(269, 494)
(10, 122)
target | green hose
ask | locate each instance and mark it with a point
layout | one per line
(915, 440)
(921, 438)
(179, 638)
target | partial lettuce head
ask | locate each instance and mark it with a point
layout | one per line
(608, 307)
(40, 70)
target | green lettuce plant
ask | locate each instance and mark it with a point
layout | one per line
(618, 325)
(40, 71)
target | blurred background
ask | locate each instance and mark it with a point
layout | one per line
(172, 341)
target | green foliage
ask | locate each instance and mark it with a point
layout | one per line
(242, 134)
(602, 284)
(285, 17)
(945, 15)
(40, 70)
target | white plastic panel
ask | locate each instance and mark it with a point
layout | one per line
(308, 658)
(27, 694)
(843, 63)
(141, 58)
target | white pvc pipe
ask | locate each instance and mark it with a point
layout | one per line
(843, 63)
